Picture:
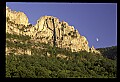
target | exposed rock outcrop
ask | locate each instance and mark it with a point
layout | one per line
(65, 36)
(92, 49)
(16, 17)
(49, 30)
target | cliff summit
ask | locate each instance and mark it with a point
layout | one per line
(49, 30)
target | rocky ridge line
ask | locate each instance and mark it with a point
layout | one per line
(49, 30)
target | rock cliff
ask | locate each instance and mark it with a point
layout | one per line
(16, 17)
(60, 34)
(49, 30)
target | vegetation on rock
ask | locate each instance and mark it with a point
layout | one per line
(79, 65)
(41, 56)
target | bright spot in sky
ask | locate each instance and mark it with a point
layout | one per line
(97, 39)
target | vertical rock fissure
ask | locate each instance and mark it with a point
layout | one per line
(48, 26)
(54, 34)
(59, 35)
(62, 29)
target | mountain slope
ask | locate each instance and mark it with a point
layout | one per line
(75, 65)
(54, 62)
(51, 49)
(109, 52)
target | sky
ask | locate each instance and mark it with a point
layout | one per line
(96, 21)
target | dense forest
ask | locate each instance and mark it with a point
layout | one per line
(38, 65)
(109, 52)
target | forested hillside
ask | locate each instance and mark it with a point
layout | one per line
(109, 52)
(41, 65)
